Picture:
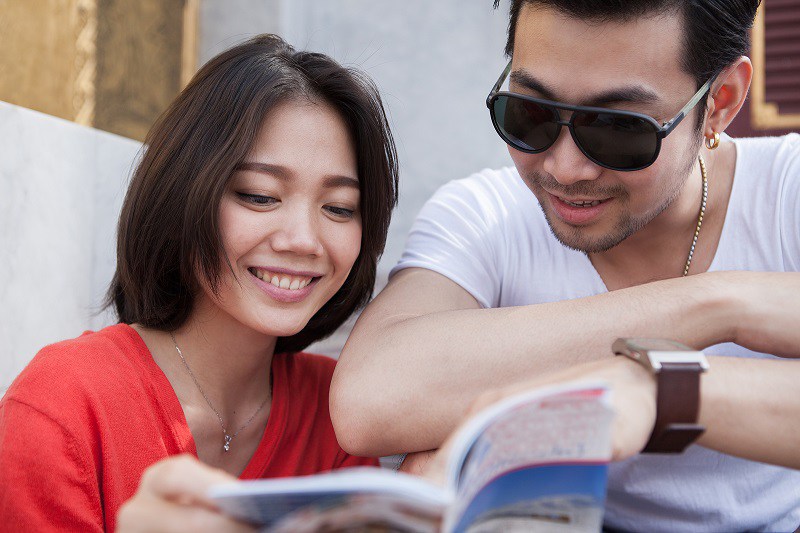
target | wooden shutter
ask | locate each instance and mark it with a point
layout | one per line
(776, 61)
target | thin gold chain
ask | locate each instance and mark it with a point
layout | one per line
(227, 438)
(699, 218)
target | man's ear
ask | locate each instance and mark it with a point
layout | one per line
(727, 95)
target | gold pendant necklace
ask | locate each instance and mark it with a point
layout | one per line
(226, 445)
(699, 218)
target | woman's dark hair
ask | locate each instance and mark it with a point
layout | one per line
(716, 31)
(169, 225)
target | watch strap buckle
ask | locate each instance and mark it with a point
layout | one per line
(673, 438)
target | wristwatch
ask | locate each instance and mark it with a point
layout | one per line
(677, 369)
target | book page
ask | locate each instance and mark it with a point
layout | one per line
(536, 462)
(355, 499)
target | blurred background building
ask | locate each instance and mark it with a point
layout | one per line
(81, 81)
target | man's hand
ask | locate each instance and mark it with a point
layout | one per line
(172, 497)
(418, 463)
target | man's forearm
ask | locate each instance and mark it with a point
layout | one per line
(404, 382)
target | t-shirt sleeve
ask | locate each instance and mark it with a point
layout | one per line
(346, 460)
(789, 202)
(46, 484)
(459, 234)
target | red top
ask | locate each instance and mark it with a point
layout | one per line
(88, 415)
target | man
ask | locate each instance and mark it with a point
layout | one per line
(636, 219)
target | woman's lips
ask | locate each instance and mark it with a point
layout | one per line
(284, 286)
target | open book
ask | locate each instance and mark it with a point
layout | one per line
(533, 462)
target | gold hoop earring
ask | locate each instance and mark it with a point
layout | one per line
(713, 141)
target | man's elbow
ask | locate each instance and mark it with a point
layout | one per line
(355, 421)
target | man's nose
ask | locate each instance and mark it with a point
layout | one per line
(566, 163)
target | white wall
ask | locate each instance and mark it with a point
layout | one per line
(62, 184)
(62, 187)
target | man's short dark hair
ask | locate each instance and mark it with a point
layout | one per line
(716, 31)
(169, 225)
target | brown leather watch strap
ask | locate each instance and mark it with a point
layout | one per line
(677, 408)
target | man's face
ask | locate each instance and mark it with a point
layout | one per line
(631, 66)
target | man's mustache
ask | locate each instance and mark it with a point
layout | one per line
(579, 188)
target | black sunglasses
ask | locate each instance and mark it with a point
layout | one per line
(618, 140)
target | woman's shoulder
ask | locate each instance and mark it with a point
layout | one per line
(72, 369)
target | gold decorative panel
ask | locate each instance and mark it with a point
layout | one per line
(110, 64)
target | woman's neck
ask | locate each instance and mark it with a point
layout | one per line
(219, 369)
(230, 361)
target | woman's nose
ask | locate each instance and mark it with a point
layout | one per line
(299, 234)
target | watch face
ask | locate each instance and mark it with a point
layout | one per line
(653, 353)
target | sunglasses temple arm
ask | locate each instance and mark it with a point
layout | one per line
(699, 95)
(501, 79)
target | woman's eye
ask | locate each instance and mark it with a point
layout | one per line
(256, 199)
(340, 212)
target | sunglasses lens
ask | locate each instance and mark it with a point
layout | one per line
(617, 141)
(525, 125)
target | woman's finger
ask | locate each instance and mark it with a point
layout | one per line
(147, 513)
(183, 479)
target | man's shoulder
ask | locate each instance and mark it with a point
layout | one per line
(767, 172)
(504, 181)
(776, 153)
(485, 197)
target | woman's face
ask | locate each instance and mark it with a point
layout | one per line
(289, 220)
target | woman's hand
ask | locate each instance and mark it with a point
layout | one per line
(633, 400)
(172, 497)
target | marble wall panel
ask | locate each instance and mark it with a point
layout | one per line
(225, 23)
(61, 191)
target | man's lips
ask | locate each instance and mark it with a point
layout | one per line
(580, 203)
(578, 211)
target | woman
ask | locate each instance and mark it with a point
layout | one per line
(251, 228)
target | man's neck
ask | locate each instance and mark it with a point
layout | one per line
(661, 248)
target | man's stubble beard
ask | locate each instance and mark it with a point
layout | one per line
(574, 237)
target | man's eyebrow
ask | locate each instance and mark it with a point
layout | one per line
(521, 77)
(283, 174)
(632, 94)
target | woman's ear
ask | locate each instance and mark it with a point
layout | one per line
(727, 95)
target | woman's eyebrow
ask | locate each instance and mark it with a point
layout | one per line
(283, 173)
(332, 182)
(264, 168)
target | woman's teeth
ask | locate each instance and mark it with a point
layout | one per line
(293, 283)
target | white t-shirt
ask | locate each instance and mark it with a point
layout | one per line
(488, 234)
